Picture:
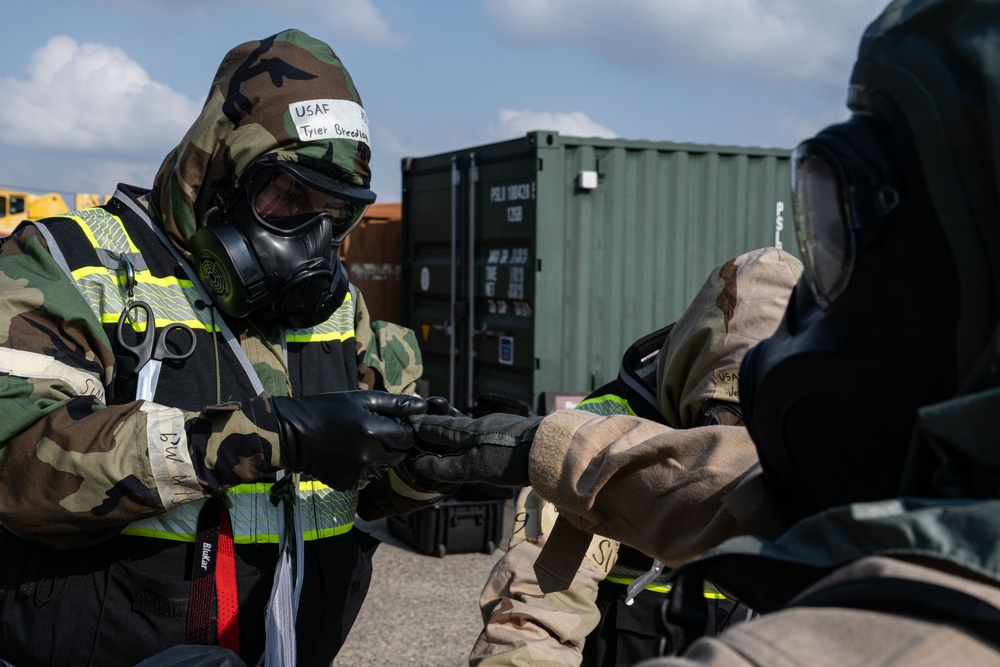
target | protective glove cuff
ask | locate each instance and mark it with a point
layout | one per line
(450, 435)
(422, 483)
(492, 449)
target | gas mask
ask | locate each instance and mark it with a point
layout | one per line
(830, 399)
(274, 251)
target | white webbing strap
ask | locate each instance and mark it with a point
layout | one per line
(283, 605)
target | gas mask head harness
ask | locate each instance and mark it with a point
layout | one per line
(273, 253)
(830, 398)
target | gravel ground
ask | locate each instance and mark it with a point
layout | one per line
(421, 611)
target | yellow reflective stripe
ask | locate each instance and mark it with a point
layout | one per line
(145, 275)
(254, 487)
(307, 535)
(169, 302)
(320, 336)
(103, 289)
(112, 318)
(339, 327)
(326, 532)
(142, 531)
(91, 271)
(710, 592)
(324, 513)
(606, 405)
(180, 523)
(305, 485)
(625, 582)
(100, 216)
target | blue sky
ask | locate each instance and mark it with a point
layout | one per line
(97, 92)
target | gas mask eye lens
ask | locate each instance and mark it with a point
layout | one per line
(282, 197)
(286, 204)
(826, 242)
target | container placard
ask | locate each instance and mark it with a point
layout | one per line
(507, 350)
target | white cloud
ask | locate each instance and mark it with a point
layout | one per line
(390, 146)
(514, 123)
(90, 97)
(768, 40)
(357, 19)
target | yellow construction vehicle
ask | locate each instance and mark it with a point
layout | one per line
(17, 206)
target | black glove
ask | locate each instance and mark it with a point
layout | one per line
(345, 439)
(439, 405)
(492, 449)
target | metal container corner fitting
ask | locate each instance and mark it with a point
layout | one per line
(530, 265)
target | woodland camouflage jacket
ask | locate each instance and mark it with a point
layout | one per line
(76, 462)
(75, 469)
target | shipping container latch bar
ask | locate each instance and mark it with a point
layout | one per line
(456, 180)
(471, 273)
(486, 332)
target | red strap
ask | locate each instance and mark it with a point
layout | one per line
(213, 579)
(199, 628)
(226, 590)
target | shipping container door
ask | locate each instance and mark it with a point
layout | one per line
(499, 373)
(433, 220)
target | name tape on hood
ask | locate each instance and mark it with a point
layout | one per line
(330, 119)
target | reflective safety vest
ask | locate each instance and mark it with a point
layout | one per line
(631, 394)
(98, 274)
(623, 575)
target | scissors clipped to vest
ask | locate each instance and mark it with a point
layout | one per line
(173, 342)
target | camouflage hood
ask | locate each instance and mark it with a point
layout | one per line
(740, 304)
(287, 97)
(938, 63)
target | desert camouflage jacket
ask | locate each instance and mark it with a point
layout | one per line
(526, 623)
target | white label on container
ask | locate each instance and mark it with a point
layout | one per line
(329, 119)
(425, 279)
(507, 350)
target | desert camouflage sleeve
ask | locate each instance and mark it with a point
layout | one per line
(524, 625)
(75, 471)
(389, 358)
(670, 493)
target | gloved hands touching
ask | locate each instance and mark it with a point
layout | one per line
(492, 449)
(345, 439)
(439, 405)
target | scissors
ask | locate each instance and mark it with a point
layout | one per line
(151, 349)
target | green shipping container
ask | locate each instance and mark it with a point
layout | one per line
(577, 247)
